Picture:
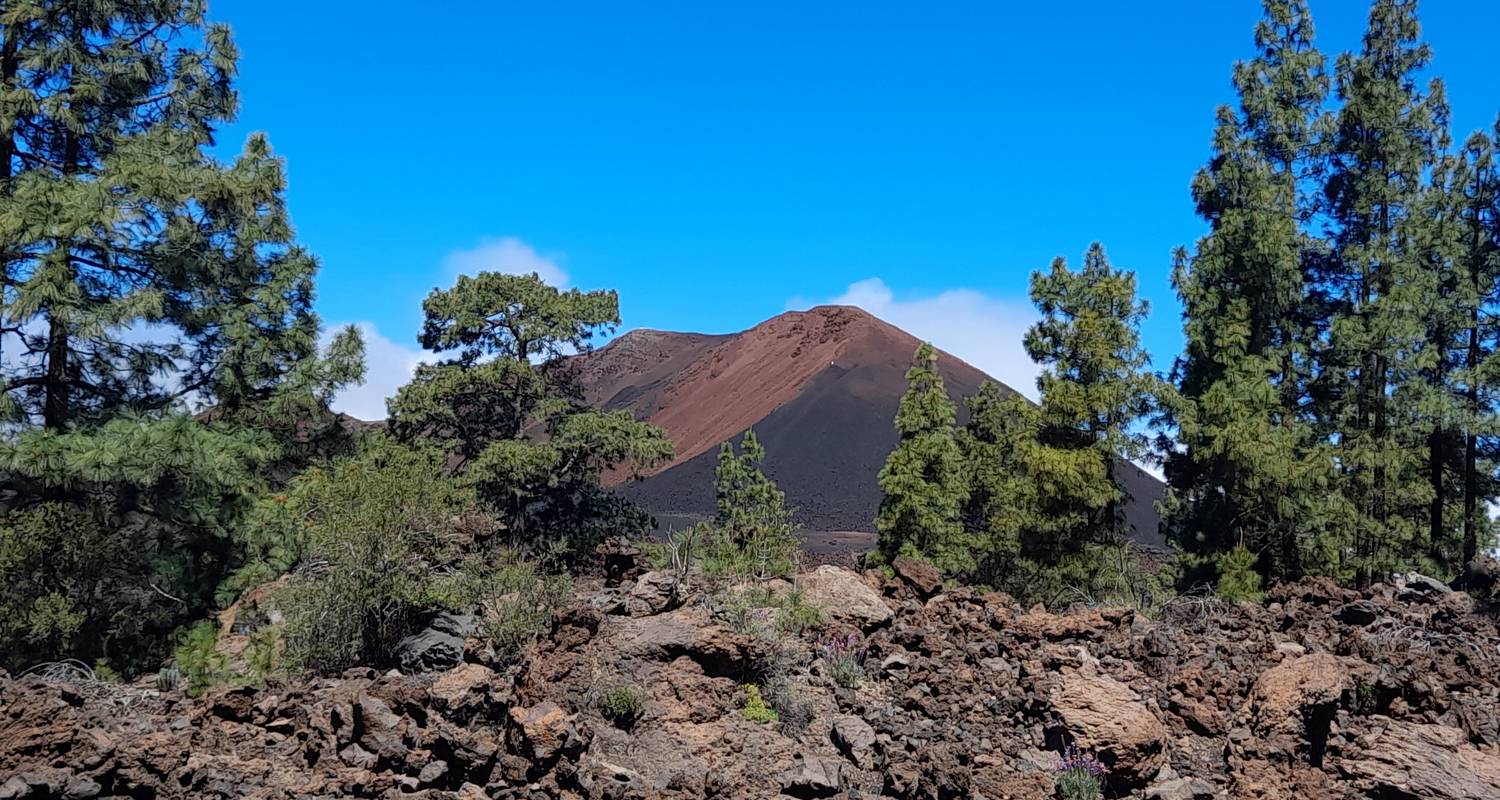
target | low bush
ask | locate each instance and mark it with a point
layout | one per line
(755, 708)
(797, 614)
(198, 661)
(1238, 580)
(388, 542)
(754, 610)
(516, 603)
(621, 704)
(792, 706)
(773, 674)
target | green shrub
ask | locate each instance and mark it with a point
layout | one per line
(264, 656)
(1238, 580)
(1077, 776)
(755, 708)
(517, 603)
(1110, 574)
(383, 535)
(797, 614)
(71, 575)
(773, 673)
(104, 672)
(752, 532)
(844, 659)
(757, 611)
(198, 659)
(622, 704)
(792, 706)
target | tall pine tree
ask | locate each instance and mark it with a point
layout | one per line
(1251, 472)
(1096, 393)
(1480, 374)
(505, 404)
(1386, 138)
(139, 278)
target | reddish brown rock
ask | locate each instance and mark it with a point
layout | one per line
(1425, 762)
(921, 576)
(1107, 718)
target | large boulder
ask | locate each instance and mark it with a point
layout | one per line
(653, 593)
(813, 777)
(1296, 693)
(457, 688)
(382, 731)
(1108, 718)
(1423, 762)
(543, 732)
(843, 597)
(921, 576)
(1414, 587)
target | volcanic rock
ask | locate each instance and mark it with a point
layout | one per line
(976, 699)
(855, 739)
(1424, 762)
(844, 597)
(653, 593)
(430, 650)
(815, 777)
(1108, 718)
(921, 576)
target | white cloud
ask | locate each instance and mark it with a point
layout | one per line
(984, 330)
(388, 366)
(506, 254)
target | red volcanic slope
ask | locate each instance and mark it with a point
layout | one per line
(820, 389)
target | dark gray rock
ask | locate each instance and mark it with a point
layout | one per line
(431, 650)
(433, 772)
(1414, 587)
(815, 777)
(460, 625)
(1358, 613)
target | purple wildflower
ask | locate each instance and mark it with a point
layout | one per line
(1074, 759)
(845, 657)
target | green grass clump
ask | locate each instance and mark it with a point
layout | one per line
(622, 705)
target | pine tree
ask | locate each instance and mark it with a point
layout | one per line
(753, 525)
(1003, 512)
(1385, 140)
(139, 278)
(507, 407)
(1096, 394)
(1474, 197)
(923, 480)
(1251, 473)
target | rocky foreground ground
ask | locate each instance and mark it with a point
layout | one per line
(1320, 692)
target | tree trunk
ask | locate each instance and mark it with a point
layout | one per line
(1436, 455)
(1471, 441)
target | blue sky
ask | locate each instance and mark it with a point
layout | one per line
(719, 163)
